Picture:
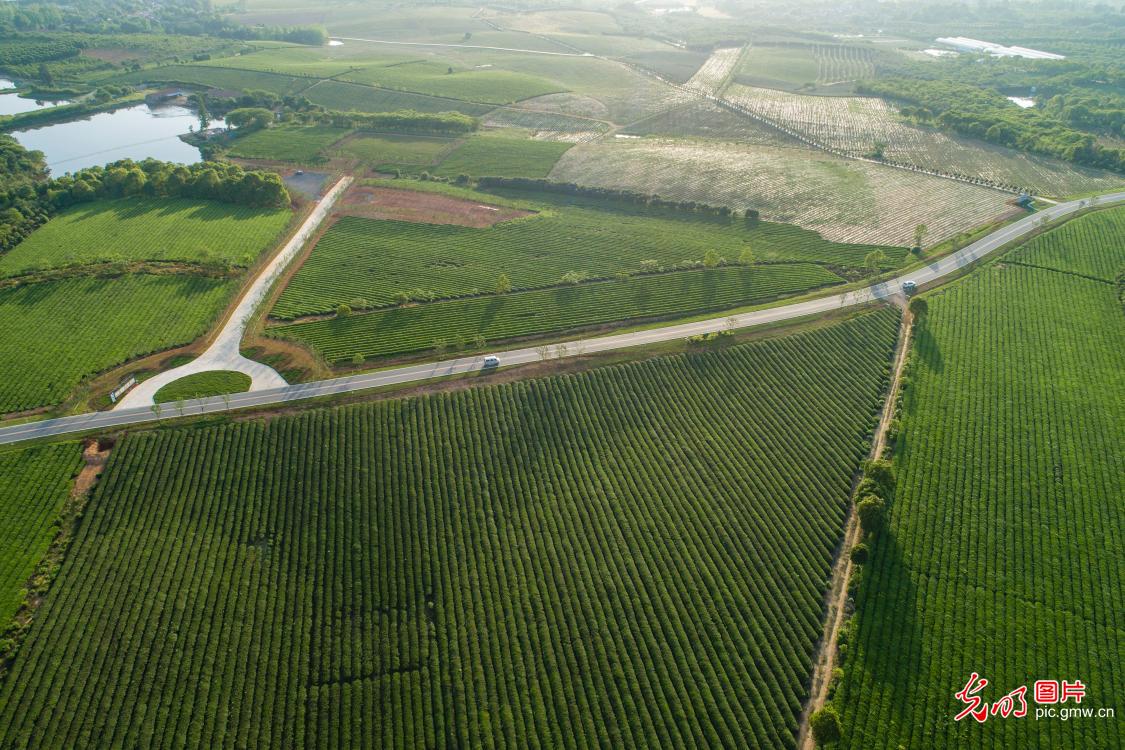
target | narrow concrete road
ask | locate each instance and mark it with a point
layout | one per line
(223, 354)
(930, 274)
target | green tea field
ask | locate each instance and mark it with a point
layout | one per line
(377, 261)
(410, 329)
(34, 484)
(83, 326)
(287, 143)
(148, 229)
(1003, 550)
(631, 557)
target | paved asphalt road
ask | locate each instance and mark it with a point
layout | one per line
(416, 373)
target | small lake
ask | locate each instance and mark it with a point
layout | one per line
(13, 104)
(137, 132)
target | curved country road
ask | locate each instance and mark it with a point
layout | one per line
(929, 274)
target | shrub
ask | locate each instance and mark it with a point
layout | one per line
(343, 311)
(860, 553)
(871, 510)
(825, 723)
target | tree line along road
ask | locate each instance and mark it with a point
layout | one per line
(928, 275)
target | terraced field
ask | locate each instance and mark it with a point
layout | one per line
(34, 484)
(630, 557)
(303, 145)
(148, 229)
(854, 125)
(408, 330)
(1002, 554)
(376, 260)
(844, 200)
(84, 326)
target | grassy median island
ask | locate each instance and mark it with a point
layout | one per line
(203, 384)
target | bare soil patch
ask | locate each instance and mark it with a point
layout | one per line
(423, 208)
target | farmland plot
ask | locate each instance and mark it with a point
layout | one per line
(377, 150)
(84, 326)
(704, 119)
(378, 260)
(34, 484)
(844, 200)
(823, 68)
(854, 125)
(714, 73)
(408, 330)
(234, 79)
(148, 229)
(632, 557)
(354, 97)
(1002, 554)
(495, 155)
(303, 145)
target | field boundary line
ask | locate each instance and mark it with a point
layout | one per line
(837, 595)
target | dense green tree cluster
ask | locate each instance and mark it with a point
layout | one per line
(986, 114)
(227, 183)
(28, 197)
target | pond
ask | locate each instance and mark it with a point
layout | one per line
(13, 104)
(137, 132)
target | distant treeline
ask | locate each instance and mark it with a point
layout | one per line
(987, 114)
(625, 196)
(28, 198)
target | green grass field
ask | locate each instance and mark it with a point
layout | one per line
(376, 150)
(203, 384)
(287, 143)
(785, 67)
(631, 557)
(84, 326)
(375, 260)
(404, 330)
(1003, 554)
(148, 229)
(34, 484)
(490, 155)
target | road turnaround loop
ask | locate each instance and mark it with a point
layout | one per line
(224, 352)
(127, 414)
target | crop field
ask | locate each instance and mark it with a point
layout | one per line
(631, 557)
(715, 71)
(676, 65)
(287, 143)
(34, 484)
(489, 155)
(87, 325)
(487, 85)
(546, 125)
(221, 78)
(375, 260)
(148, 229)
(1002, 554)
(407, 330)
(353, 97)
(844, 200)
(600, 88)
(853, 125)
(203, 384)
(814, 67)
(702, 119)
(376, 150)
